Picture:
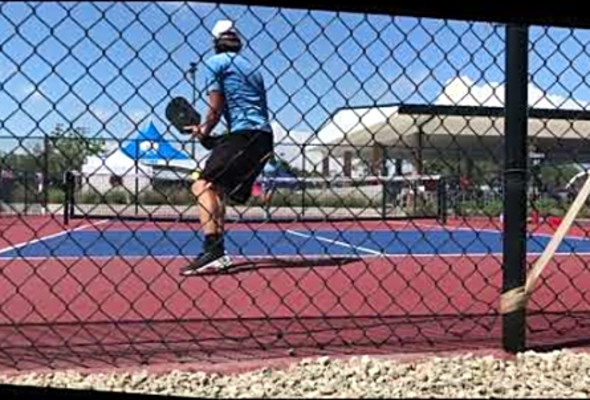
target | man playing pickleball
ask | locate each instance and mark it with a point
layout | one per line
(265, 187)
(235, 90)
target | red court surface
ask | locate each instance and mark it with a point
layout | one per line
(117, 311)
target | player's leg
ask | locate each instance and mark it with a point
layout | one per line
(252, 159)
(232, 169)
(210, 206)
(208, 190)
(220, 214)
(207, 205)
(268, 193)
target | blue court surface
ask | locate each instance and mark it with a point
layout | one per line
(280, 243)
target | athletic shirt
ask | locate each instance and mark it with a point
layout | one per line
(245, 105)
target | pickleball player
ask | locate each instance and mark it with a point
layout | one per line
(235, 90)
(265, 187)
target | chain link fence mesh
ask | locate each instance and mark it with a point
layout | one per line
(382, 231)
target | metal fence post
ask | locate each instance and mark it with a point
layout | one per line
(442, 201)
(300, 178)
(68, 196)
(515, 173)
(48, 145)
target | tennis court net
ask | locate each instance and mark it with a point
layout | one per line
(142, 197)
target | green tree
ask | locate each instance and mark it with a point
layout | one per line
(67, 150)
(21, 162)
(483, 171)
(61, 151)
(556, 176)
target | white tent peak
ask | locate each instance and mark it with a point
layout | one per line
(116, 163)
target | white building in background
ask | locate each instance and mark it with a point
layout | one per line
(305, 150)
(297, 148)
(333, 143)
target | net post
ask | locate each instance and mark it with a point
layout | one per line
(384, 189)
(515, 180)
(72, 194)
(442, 200)
(67, 196)
(48, 145)
(26, 194)
(303, 174)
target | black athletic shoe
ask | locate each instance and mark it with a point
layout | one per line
(207, 262)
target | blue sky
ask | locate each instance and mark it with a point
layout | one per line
(113, 66)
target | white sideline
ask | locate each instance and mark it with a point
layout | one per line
(52, 236)
(337, 242)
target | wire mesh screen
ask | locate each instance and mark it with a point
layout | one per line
(379, 228)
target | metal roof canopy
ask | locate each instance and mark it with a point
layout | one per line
(437, 131)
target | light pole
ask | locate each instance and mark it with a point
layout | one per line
(193, 71)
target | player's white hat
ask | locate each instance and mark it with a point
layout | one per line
(223, 26)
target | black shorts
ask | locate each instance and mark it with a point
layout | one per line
(235, 163)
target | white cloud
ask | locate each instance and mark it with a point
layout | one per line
(137, 115)
(101, 113)
(7, 70)
(465, 92)
(30, 91)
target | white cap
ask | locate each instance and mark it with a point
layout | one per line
(222, 26)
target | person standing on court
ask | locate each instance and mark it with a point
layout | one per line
(235, 89)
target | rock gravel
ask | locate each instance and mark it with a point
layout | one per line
(559, 374)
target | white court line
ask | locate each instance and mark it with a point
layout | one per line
(454, 228)
(52, 236)
(268, 257)
(337, 242)
(487, 230)
(372, 253)
(290, 257)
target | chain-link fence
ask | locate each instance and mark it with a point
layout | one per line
(379, 227)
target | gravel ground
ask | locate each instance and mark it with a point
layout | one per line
(557, 374)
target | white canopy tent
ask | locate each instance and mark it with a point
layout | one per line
(150, 147)
(98, 172)
(137, 162)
